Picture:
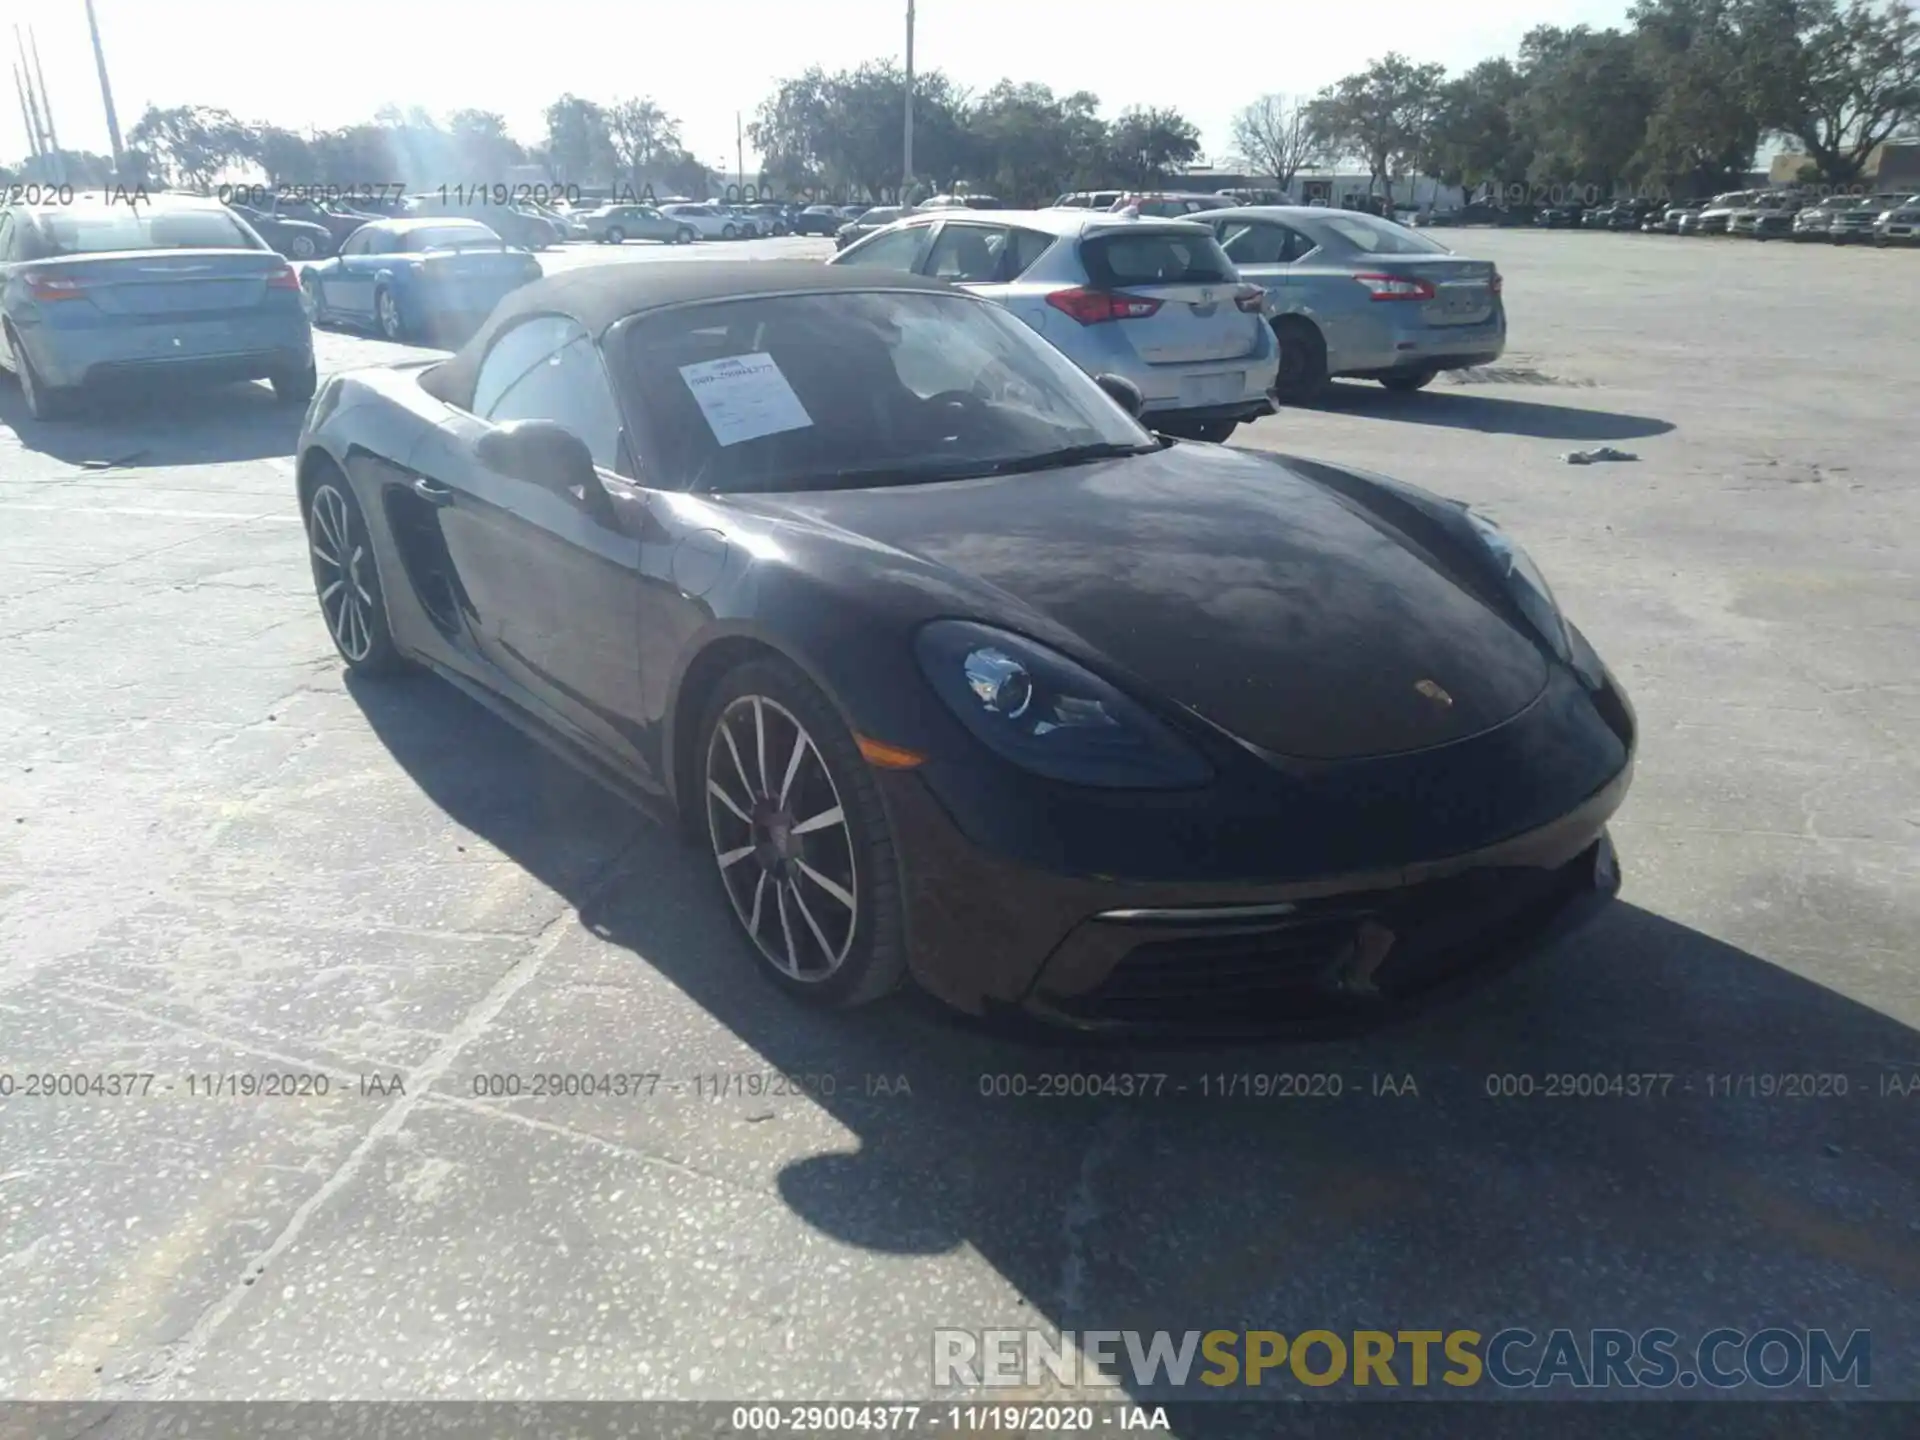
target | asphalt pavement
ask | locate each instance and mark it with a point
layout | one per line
(221, 861)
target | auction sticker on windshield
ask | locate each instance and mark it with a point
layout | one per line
(745, 397)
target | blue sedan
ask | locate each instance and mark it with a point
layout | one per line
(412, 279)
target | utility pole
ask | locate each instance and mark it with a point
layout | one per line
(906, 149)
(106, 96)
(739, 156)
(46, 101)
(33, 106)
(26, 115)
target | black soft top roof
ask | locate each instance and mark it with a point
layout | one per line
(599, 296)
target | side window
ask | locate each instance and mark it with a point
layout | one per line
(968, 253)
(570, 387)
(898, 251)
(1298, 245)
(516, 352)
(1028, 247)
(358, 242)
(1256, 243)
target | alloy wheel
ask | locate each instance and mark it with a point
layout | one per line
(339, 555)
(781, 839)
(303, 247)
(389, 312)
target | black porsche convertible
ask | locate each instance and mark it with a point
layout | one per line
(958, 672)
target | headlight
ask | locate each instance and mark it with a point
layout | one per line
(1526, 584)
(1049, 715)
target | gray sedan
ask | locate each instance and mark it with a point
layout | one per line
(1353, 294)
(103, 289)
(617, 224)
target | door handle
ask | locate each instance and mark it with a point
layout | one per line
(432, 491)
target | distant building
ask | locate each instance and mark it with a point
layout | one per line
(1892, 166)
(1332, 186)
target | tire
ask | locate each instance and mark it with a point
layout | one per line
(1408, 381)
(808, 939)
(387, 318)
(44, 401)
(1303, 360)
(311, 302)
(295, 387)
(301, 247)
(616, 236)
(346, 578)
(730, 232)
(684, 235)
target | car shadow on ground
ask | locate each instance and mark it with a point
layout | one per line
(1491, 414)
(1684, 1206)
(160, 425)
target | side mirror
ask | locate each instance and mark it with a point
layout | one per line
(1124, 393)
(551, 456)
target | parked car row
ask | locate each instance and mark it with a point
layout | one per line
(1755, 215)
(1211, 316)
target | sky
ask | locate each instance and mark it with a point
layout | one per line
(335, 62)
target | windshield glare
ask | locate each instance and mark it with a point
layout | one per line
(801, 392)
(128, 227)
(1381, 237)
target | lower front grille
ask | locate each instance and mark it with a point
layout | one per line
(1368, 953)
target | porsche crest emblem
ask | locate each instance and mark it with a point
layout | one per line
(1433, 692)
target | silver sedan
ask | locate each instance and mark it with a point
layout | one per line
(1353, 294)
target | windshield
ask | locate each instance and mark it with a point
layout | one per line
(1375, 236)
(807, 392)
(131, 227)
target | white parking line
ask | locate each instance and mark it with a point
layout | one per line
(161, 514)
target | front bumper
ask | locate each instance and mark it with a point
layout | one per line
(1055, 909)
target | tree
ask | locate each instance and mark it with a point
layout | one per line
(844, 130)
(579, 148)
(190, 144)
(481, 149)
(284, 155)
(1586, 104)
(1028, 145)
(1381, 115)
(644, 138)
(1474, 138)
(1855, 83)
(1278, 135)
(355, 156)
(1145, 145)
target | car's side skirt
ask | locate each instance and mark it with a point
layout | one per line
(644, 795)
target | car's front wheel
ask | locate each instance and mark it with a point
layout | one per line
(301, 247)
(310, 299)
(346, 579)
(616, 236)
(683, 236)
(799, 838)
(386, 311)
(729, 232)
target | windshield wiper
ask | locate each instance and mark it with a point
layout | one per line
(1067, 455)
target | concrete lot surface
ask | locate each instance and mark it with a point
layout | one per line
(218, 858)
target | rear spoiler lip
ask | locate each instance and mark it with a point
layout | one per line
(267, 260)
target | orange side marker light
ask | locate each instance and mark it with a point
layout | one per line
(883, 756)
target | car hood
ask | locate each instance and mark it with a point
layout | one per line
(1309, 611)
